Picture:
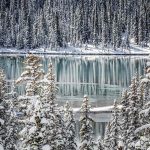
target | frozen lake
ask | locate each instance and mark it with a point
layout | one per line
(102, 78)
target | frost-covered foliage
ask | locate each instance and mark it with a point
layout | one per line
(8, 133)
(86, 132)
(54, 127)
(30, 77)
(3, 129)
(70, 127)
(43, 127)
(133, 123)
(29, 103)
(31, 74)
(144, 130)
(100, 145)
(133, 114)
(37, 23)
(124, 120)
(112, 135)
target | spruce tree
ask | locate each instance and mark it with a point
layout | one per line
(12, 122)
(8, 134)
(124, 119)
(86, 138)
(70, 127)
(56, 137)
(29, 103)
(100, 145)
(143, 130)
(3, 129)
(133, 114)
(111, 140)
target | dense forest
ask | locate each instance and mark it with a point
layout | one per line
(55, 23)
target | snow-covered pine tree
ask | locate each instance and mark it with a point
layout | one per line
(86, 138)
(145, 82)
(143, 132)
(8, 135)
(30, 77)
(12, 122)
(48, 127)
(144, 129)
(100, 145)
(70, 127)
(32, 73)
(123, 120)
(3, 129)
(29, 103)
(48, 110)
(111, 142)
(133, 114)
(106, 141)
(55, 129)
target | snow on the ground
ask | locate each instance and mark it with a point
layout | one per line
(85, 49)
(99, 109)
(1, 147)
(46, 147)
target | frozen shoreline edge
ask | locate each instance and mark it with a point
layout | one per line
(70, 53)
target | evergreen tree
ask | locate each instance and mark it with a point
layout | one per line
(50, 112)
(107, 136)
(12, 123)
(87, 141)
(133, 114)
(52, 24)
(45, 128)
(3, 129)
(124, 119)
(143, 130)
(100, 144)
(70, 127)
(28, 104)
(111, 140)
(8, 135)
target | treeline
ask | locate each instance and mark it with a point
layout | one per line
(55, 23)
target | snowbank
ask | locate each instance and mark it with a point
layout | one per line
(84, 50)
(98, 109)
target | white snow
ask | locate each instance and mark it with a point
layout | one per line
(142, 128)
(44, 121)
(148, 63)
(85, 49)
(23, 131)
(99, 109)
(1, 121)
(120, 144)
(145, 80)
(138, 144)
(32, 130)
(46, 147)
(1, 147)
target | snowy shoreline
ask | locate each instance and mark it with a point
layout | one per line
(70, 53)
(84, 50)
